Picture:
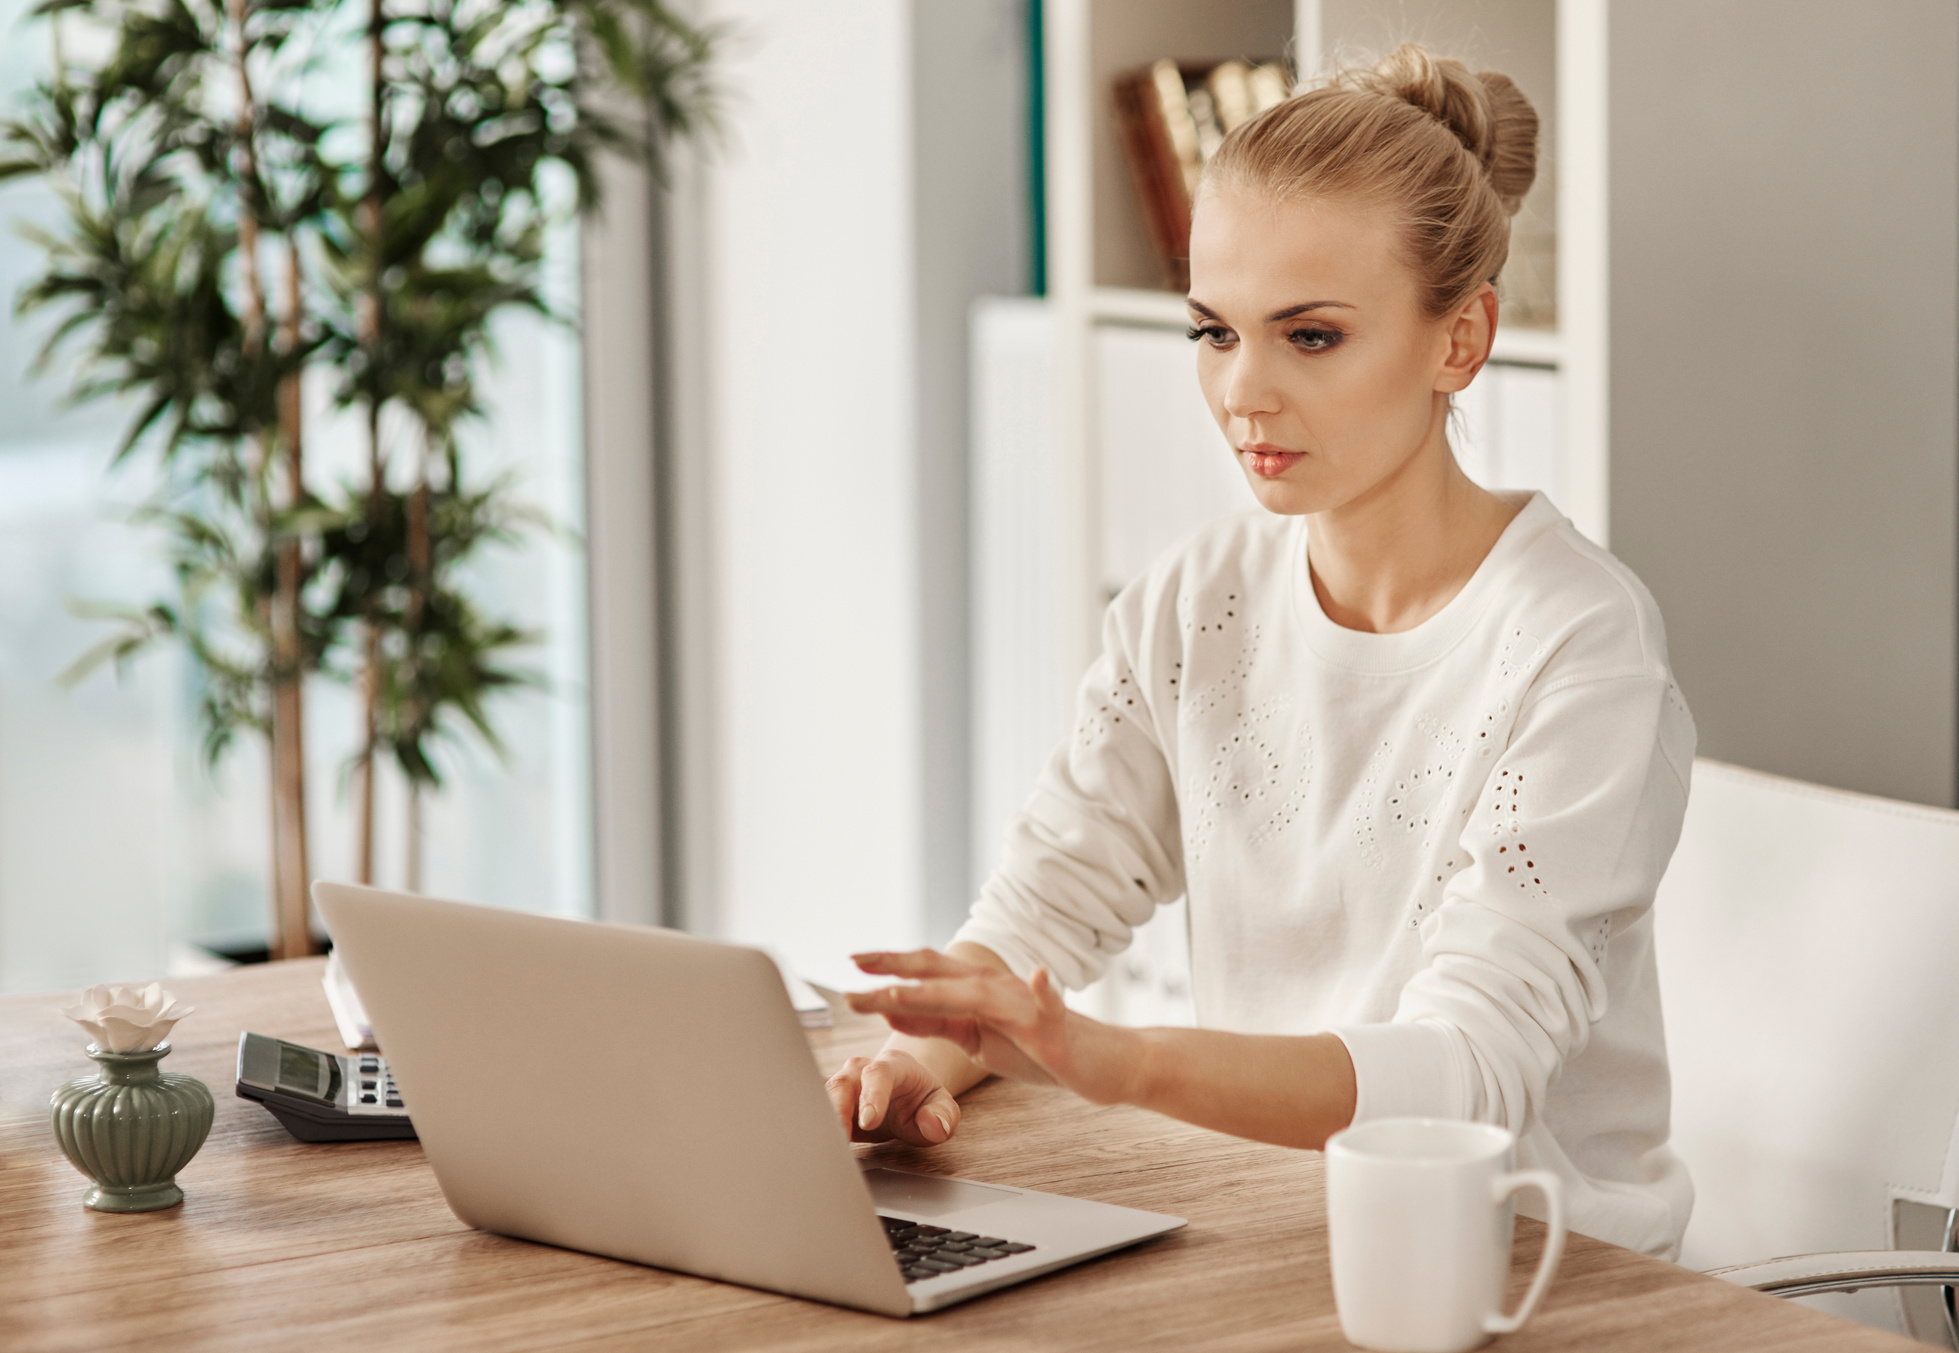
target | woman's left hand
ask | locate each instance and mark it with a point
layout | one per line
(1020, 1030)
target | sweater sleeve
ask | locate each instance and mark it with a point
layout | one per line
(1564, 848)
(1096, 849)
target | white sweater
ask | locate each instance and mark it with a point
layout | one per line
(1441, 845)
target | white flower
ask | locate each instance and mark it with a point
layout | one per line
(127, 1019)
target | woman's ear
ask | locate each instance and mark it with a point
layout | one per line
(1472, 329)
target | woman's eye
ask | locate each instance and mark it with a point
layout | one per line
(1314, 340)
(1214, 334)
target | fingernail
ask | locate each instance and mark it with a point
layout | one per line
(865, 1117)
(942, 1129)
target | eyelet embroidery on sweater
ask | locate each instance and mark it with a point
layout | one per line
(1506, 796)
(1365, 837)
(1519, 655)
(1289, 808)
(1515, 862)
(1098, 723)
(1413, 801)
(1210, 697)
(1214, 621)
(1601, 936)
(1245, 773)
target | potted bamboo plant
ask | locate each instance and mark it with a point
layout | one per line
(224, 236)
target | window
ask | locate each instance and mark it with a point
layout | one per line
(119, 849)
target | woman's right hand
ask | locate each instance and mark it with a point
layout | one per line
(893, 1097)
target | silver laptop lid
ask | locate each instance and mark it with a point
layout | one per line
(623, 1090)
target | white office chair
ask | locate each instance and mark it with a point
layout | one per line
(1808, 945)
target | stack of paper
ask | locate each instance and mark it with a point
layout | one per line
(345, 1003)
(811, 1008)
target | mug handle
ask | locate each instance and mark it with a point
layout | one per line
(1552, 1188)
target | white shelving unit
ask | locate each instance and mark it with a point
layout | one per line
(1133, 462)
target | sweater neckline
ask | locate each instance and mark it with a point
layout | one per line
(1408, 649)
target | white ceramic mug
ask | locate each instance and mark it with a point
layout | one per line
(1419, 1213)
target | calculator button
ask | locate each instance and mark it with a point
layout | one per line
(367, 1099)
(394, 1101)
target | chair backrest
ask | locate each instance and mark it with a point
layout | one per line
(1808, 946)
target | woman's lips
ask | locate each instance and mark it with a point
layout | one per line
(1269, 462)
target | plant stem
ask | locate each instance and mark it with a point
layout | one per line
(291, 934)
(419, 583)
(295, 933)
(370, 334)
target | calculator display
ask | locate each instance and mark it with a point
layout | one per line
(319, 1097)
(305, 1072)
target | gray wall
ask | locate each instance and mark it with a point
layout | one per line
(1784, 230)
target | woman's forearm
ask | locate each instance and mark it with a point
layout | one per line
(1288, 1090)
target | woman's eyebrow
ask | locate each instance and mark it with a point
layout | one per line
(1303, 307)
(1277, 315)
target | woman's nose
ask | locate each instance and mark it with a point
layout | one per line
(1249, 388)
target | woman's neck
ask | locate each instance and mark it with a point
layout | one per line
(1399, 553)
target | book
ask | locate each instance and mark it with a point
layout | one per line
(1172, 117)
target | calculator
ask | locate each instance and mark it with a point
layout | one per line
(320, 1097)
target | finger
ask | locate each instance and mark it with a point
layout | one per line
(938, 1117)
(990, 997)
(946, 1000)
(916, 963)
(874, 1096)
(843, 1090)
(867, 1002)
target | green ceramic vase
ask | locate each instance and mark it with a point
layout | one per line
(130, 1128)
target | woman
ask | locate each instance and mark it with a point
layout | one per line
(1411, 748)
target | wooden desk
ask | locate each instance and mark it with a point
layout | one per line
(351, 1245)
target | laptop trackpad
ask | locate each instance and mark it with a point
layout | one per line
(925, 1195)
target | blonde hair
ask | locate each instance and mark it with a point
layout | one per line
(1450, 153)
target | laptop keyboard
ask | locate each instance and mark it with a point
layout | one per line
(927, 1251)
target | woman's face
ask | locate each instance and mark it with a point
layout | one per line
(1313, 352)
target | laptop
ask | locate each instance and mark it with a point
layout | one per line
(649, 1096)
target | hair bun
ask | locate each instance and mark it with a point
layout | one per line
(1487, 112)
